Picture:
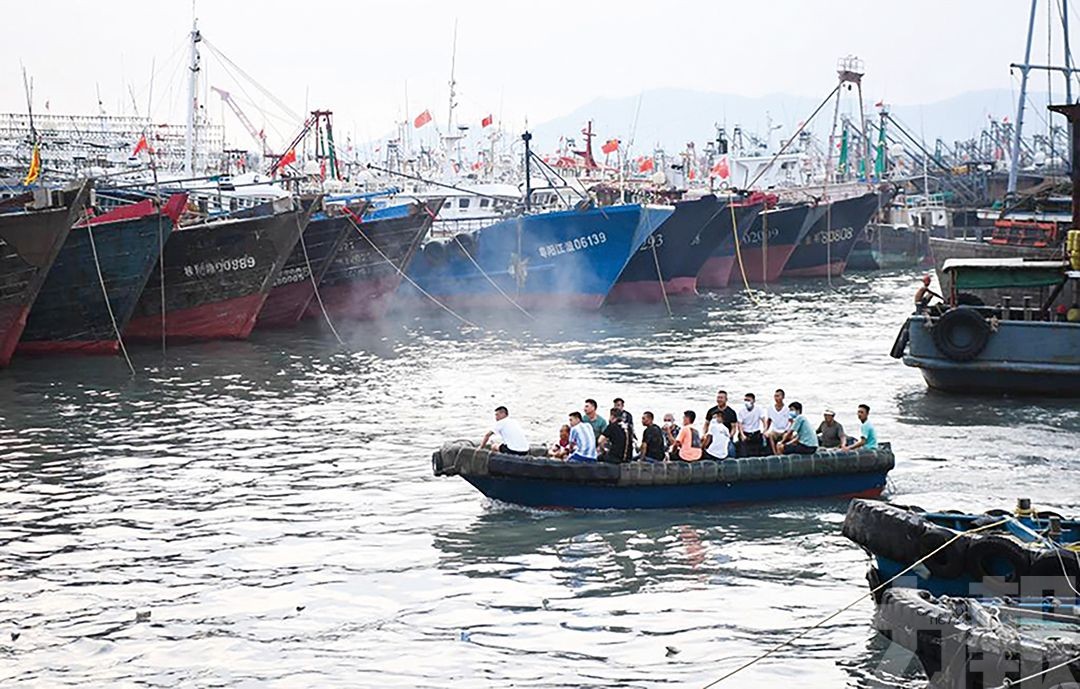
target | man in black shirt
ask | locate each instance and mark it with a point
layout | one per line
(727, 416)
(614, 442)
(626, 417)
(653, 444)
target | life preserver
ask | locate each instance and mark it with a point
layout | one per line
(998, 562)
(961, 334)
(900, 343)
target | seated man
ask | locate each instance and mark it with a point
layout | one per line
(868, 436)
(615, 442)
(562, 447)
(653, 444)
(800, 438)
(687, 446)
(626, 417)
(715, 444)
(751, 428)
(510, 432)
(670, 430)
(582, 441)
(778, 422)
(594, 419)
(830, 433)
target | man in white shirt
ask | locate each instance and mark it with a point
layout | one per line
(751, 427)
(778, 422)
(582, 440)
(715, 443)
(510, 432)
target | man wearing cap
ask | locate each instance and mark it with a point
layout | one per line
(830, 433)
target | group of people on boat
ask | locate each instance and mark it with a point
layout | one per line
(727, 432)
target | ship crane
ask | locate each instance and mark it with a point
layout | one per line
(256, 134)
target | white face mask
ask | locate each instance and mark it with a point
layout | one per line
(749, 405)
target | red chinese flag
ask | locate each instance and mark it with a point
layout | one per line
(141, 146)
(611, 146)
(646, 165)
(422, 119)
(720, 169)
(487, 121)
(289, 157)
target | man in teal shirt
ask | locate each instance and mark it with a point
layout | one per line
(868, 439)
(800, 439)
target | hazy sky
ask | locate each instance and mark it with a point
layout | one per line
(536, 59)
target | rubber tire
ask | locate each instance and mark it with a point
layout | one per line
(980, 550)
(949, 563)
(901, 342)
(465, 243)
(956, 321)
(434, 252)
(1048, 565)
(969, 299)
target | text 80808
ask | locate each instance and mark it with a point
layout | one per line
(576, 244)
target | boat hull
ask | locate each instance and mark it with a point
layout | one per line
(680, 247)
(827, 244)
(30, 241)
(359, 283)
(71, 314)
(770, 240)
(567, 259)
(718, 269)
(294, 287)
(217, 276)
(556, 494)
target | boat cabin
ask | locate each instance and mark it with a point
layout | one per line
(1043, 282)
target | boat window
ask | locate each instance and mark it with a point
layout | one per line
(484, 203)
(446, 203)
(463, 203)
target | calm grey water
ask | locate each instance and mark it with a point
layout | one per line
(270, 504)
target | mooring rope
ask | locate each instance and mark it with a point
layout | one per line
(315, 284)
(105, 296)
(487, 277)
(660, 277)
(1014, 682)
(795, 637)
(765, 244)
(444, 307)
(738, 255)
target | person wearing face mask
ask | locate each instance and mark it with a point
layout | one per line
(800, 439)
(727, 416)
(750, 428)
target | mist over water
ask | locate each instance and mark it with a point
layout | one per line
(270, 503)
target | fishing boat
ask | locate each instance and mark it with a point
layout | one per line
(719, 267)
(966, 643)
(217, 274)
(669, 260)
(294, 288)
(828, 242)
(107, 257)
(769, 241)
(1023, 552)
(540, 481)
(560, 259)
(33, 228)
(963, 347)
(365, 272)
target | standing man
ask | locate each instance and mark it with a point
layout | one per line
(510, 432)
(829, 432)
(582, 440)
(593, 419)
(868, 436)
(751, 427)
(727, 416)
(778, 423)
(800, 438)
(615, 443)
(653, 443)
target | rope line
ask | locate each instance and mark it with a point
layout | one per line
(738, 255)
(408, 279)
(1013, 682)
(787, 642)
(487, 277)
(315, 284)
(660, 277)
(105, 296)
(794, 136)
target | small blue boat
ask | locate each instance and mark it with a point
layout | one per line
(548, 260)
(997, 553)
(541, 482)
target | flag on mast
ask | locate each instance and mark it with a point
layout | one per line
(610, 146)
(35, 166)
(422, 119)
(487, 121)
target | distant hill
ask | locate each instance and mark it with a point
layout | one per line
(672, 117)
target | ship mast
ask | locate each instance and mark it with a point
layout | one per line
(192, 100)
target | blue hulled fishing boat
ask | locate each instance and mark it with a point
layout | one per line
(540, 481)
(827, 244)
(548, 260)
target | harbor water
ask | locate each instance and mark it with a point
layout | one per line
(263, 513)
